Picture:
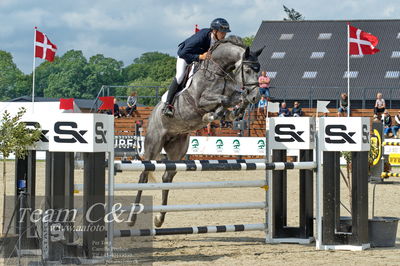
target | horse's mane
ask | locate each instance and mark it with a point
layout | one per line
(233, 39)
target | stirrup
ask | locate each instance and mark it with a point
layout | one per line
(168, 110)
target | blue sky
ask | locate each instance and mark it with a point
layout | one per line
(124, 29)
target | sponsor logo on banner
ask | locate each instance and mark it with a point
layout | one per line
(195, 145)
(288, 133)
(33, 125)
(100, 133)
(339, 134)
(261, 146)
(236, 145)
(219, 144)
(344, 134)
(64, 135)
(291, 133)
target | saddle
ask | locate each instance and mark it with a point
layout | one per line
(187, 80)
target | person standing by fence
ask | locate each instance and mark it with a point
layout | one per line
(263, 82)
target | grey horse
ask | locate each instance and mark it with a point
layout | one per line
(229, 77)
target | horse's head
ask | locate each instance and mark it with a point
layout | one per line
(249, 75)
(234, 61)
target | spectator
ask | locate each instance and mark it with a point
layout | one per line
(225, 124)
(283, 110)
(262, 106)
(296, 110)
(396, 126)
(117, 113)
(263, 82)
(387, 123)
(343, 104)
(131, 104)
(380, 104)
(211, 129)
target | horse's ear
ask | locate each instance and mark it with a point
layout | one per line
(258, 52)
(247, 53)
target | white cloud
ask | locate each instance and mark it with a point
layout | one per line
(96, 19)
(390, 11)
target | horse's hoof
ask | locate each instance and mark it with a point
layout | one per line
(208, 118)
(131, 224)
(132, 221)
(158, 221)
(230, 116)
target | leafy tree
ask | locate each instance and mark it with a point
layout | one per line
(292, 14)
(157, 66)
(66, 76)
(102, 71)
(12, 80)
(248, 41)
(150, 69)
(14, 137)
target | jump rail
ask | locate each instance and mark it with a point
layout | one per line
(184, 185)
(193, 166)
(189, 230)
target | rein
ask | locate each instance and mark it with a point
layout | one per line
(227, 75)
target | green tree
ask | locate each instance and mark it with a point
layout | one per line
(66, 76)
(150, 69)
(102, 71)
(16, 138)
(157, 66)
(248, 41)
(292, 14)
(13, 82)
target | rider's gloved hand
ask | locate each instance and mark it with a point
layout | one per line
(203, 56)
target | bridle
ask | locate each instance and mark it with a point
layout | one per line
(254, 65)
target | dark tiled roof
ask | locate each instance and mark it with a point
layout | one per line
(329, 81)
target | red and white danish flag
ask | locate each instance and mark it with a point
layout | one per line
(362, 42)
(44, 48)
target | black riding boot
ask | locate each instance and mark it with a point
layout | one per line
(168, 108)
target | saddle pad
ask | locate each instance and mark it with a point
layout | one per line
(164, 97)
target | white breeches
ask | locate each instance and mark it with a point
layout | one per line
(180, 69)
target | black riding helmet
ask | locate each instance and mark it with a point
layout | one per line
(220, 24)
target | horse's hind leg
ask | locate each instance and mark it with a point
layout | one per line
(175, 148)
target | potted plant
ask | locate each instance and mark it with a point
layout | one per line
(15, 138)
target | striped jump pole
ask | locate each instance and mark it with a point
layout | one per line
(390, 143)
(193, 166)
(387, 174)
(189, 230)
(193, 161)
(185, 185)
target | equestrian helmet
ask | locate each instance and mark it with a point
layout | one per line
(220, 24)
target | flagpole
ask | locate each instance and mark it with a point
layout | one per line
(33, 71)
(348, 69)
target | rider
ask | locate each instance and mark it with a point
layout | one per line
(194, 48)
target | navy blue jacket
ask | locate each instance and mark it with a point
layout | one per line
(197, 44)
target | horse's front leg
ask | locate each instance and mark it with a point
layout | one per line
(144, 178)
(212, 99)
(175, 148)
(167, 178)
